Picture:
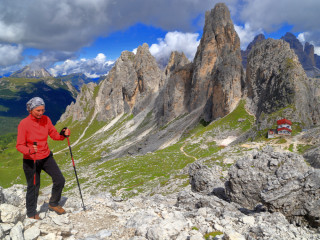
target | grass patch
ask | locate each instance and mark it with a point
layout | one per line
(211, 235)
(301, 148)
(291, 148)
(281, 141)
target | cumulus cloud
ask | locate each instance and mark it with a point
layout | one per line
(69, 25)
(307, 37)
(175, 41)
(10, 54)
(90, 67)
(246, 34)
(272, 14)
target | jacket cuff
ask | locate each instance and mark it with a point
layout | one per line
(31, 150)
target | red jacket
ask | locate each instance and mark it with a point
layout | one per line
(32, 130)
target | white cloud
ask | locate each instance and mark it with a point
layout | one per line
(90, 67)
(246, 34)
(175, 41)
(10, 54)
(307, 37)
(70, 25)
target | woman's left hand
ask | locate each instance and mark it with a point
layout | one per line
(67, 132)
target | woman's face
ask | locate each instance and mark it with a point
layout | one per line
(37, 112)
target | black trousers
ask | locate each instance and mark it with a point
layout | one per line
(50, 166)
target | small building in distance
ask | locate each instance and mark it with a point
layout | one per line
(272, 133)
(284, 127)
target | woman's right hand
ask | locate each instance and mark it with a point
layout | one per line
(35, 147)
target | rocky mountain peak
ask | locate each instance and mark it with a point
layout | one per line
(276, 80)
(218, 72)
(245, 53)
(293, 41)
(131, 85)
(309, 50)
(31, 72)
(176, 60)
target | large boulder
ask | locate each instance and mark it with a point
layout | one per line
(206, 180)
(313, 157)
(282, 182)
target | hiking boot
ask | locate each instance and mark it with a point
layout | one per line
(58, 209)
(36, 217)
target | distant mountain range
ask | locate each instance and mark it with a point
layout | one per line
(78, 79)
(308, 59)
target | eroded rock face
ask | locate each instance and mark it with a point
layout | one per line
(283, 182)
(218, 72)
(176, 61)
(276, 80)
(174, 96)
(245, 53)
(79, 110)
(206, 180)
(131, 84)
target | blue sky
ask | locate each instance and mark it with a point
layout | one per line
(88, 36)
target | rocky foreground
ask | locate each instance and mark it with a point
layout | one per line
(267, 195)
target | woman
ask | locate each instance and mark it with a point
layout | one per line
(33, 132)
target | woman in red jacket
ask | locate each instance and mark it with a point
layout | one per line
(33, 132)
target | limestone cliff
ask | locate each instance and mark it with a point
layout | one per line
(276, 80)
(130, 86)
(174, 97)
(218, 73)
(80, 109)
(245, 53)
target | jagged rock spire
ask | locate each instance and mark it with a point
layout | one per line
(218, 72)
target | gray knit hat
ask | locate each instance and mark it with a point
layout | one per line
(34, 102)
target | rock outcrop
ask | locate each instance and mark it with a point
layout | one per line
(307, 58)
(176, 61)
(244, 54)
(282, 182)
(276, 80)
(217, 80)
(313, 157)
(131, 85)
(174, 96)
(78, 110)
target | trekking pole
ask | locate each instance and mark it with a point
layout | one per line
(34, 176)
(75, 172)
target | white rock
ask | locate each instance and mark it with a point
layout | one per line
(202, 212)
(141, 221)
(218, 227)
(7, 227)
(248, 220)
(42, 215)
(9, 213)
(183, 236)
(232, 235)
(61, 219)
(50, 236)
(16, 232)
(195, 235)
(32, 233)
(104, 234)
(156, 233)
(1, 232)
